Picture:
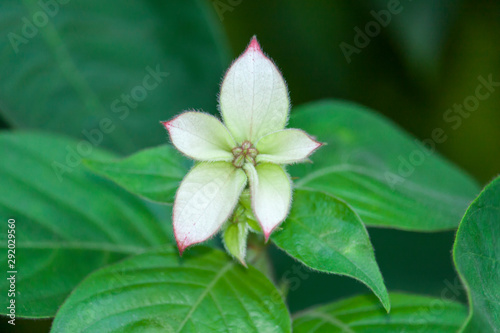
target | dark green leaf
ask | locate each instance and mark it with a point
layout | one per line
(388, 177)
(325, 234)
(106, 73)
(363, 314)
(205, 291)
(477, 256)
(153, 173)
(69, 222)
(470, 69)
(419, 45)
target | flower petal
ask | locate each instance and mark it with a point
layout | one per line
(286, 146)
(271, 191)
(254, 97)
(205, 200)
(200, 136)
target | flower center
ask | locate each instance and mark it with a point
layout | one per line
(246, 153)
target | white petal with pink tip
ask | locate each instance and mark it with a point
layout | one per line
(271, 194)
(254, 97)
(286, 146)
(205, 200)
(200, 136)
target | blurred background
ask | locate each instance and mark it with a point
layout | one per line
(425, 60)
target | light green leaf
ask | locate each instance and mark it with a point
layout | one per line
(69, 222)
(106, 73)
(477, 257)
(235, 239)
(388, 177)
(363, 314)
(154, 174)
(205, 291)
(419, 46)
(325, 234)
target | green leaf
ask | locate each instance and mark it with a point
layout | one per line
(105, 73)
(235, 240)
(477, 257)
(363, 314)
(325, 234)
(69, 222)
(205, 291)
(388, 177)
(153, 174)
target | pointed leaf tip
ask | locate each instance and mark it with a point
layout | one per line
(181, 248)
(267, 235)
(181, 244)
(318, 145)
(165, 124)
(254, 45)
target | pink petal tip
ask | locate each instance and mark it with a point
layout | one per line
(166, 124)
(267, 234)
(181, 248)
(318, 145)
(254, 45)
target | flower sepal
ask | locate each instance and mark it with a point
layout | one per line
(246, 203)
(235, 235)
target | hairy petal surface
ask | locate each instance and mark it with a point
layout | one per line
(271, 194)
(254, 96)
(205, 200)
(200, 136)
(286, 146)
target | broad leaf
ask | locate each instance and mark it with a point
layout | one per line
(388, 177)
(106, 73)
(363, 314)
(477, 256)
(154, 174)
(69, 222)
(325, 234)
(205, 291)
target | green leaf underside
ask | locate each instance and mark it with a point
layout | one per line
(204, 291)
(361, 164)
(364, 314)
(477, 257)
(153, 174)
(72, 73)
(325, 234)
(65, 227)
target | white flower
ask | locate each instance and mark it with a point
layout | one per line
(248, 149)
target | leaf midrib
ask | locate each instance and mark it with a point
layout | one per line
(379, 293)
(202, 296)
